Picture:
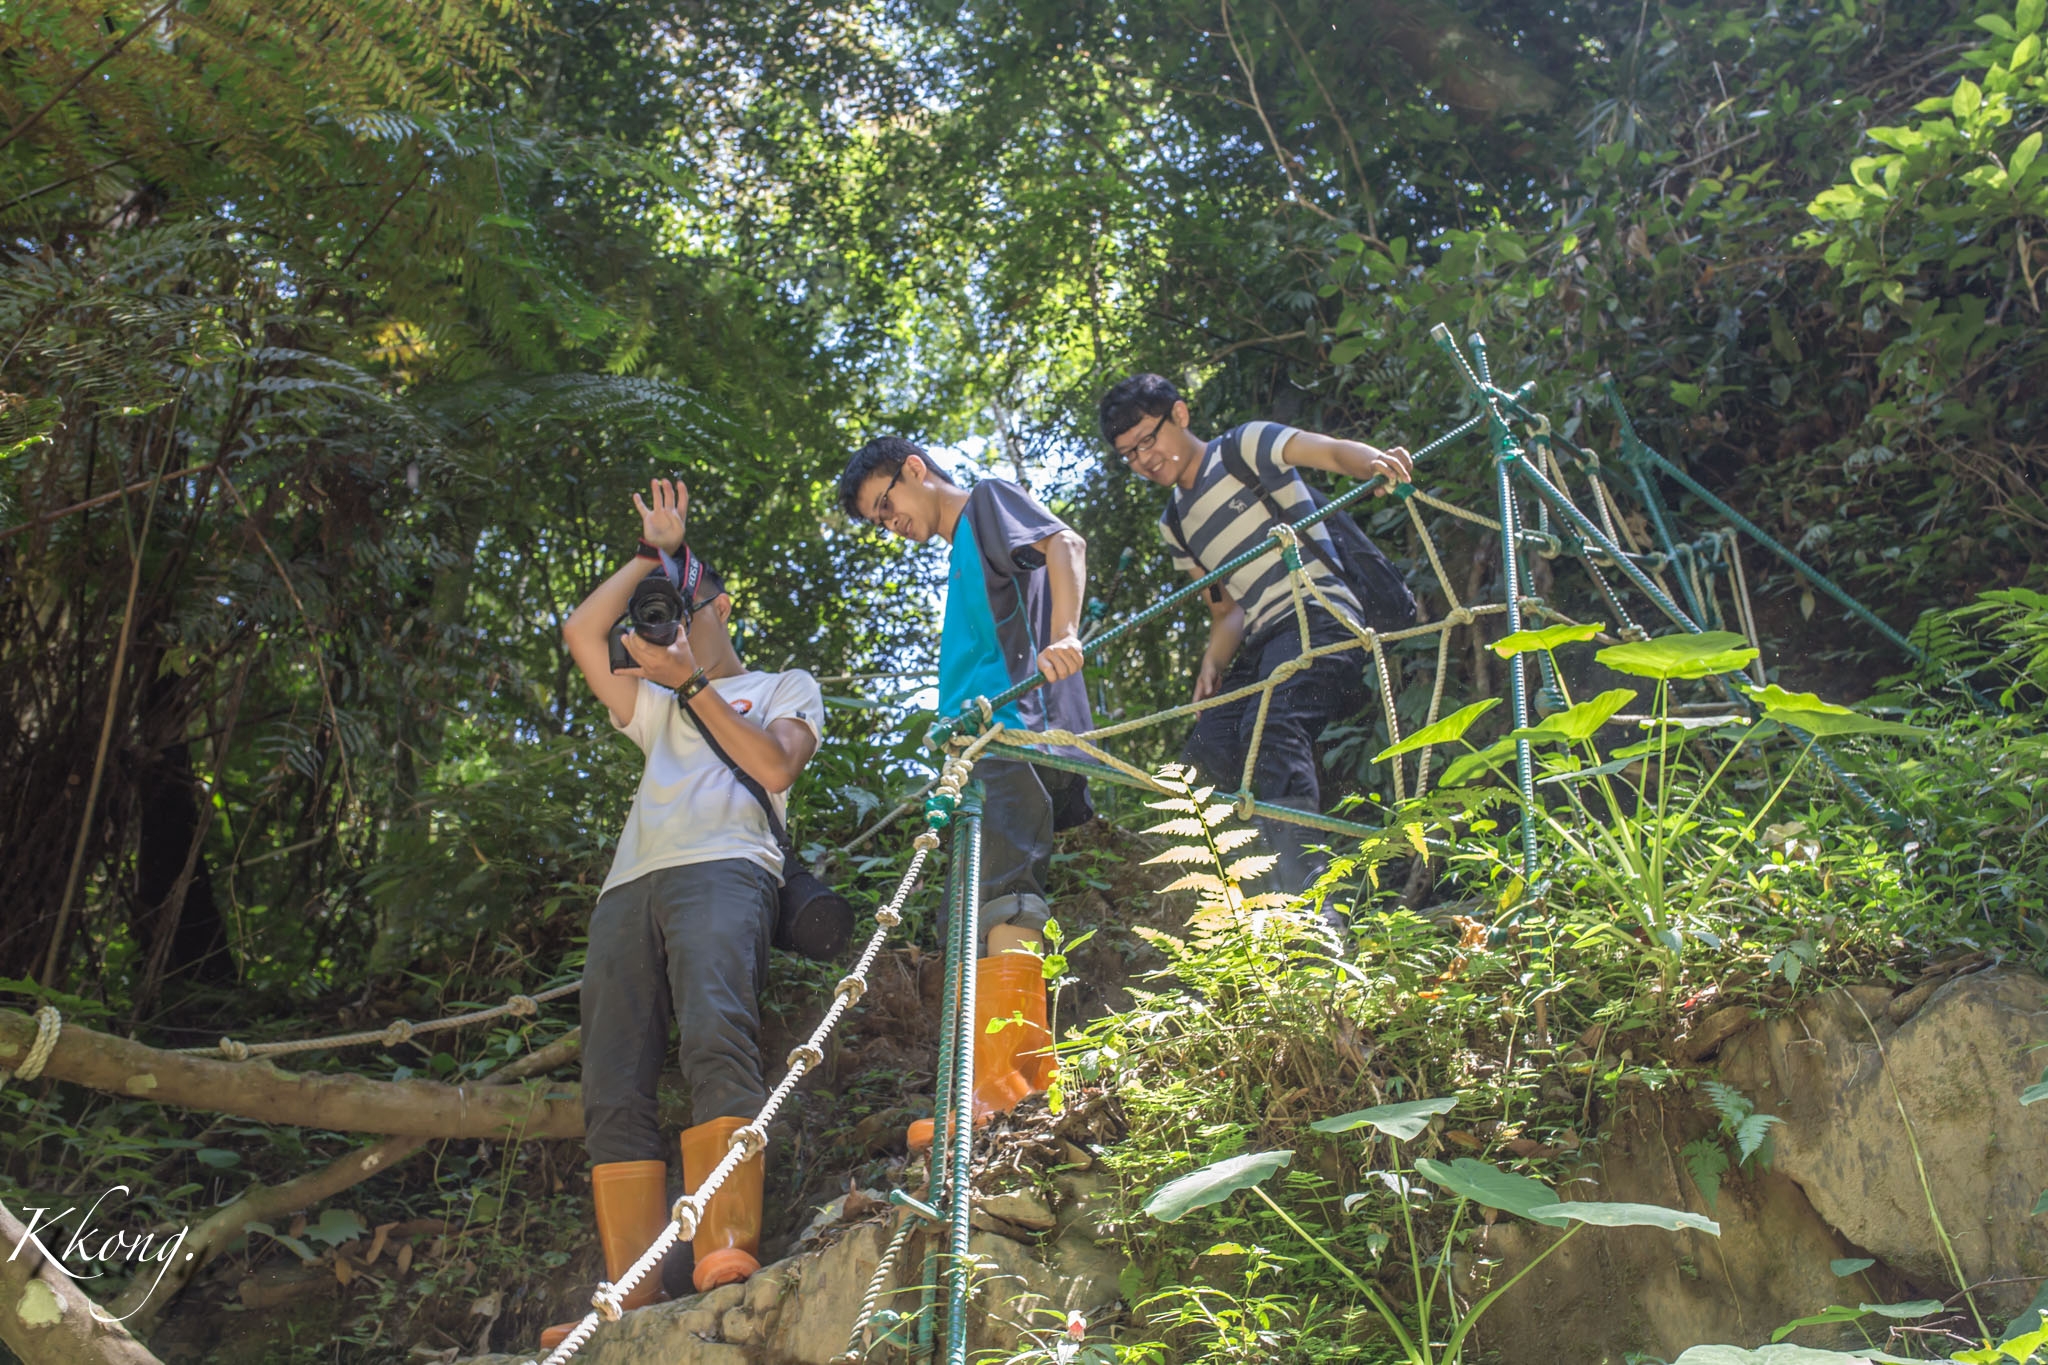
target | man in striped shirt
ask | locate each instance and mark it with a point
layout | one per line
(1252, 627)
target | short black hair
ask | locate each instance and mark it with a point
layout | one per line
(884, 454)
(1136, 398)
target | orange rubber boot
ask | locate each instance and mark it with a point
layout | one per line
(728, 1241)
(632, 1209)
(1010, 1063)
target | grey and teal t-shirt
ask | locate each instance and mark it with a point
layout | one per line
(1222, 517)
(999, 612)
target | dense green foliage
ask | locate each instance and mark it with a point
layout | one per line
(379, 312)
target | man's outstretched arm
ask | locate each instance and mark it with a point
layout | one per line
(1066, 580)
(1353, 459)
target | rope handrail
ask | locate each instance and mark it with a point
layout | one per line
(392, 1034)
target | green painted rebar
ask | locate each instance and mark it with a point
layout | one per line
(969, 716)
(1634, 447)
(1505, 453)
(959, 1206)
(1593, 535)
(1265, 809)
(938, 1158)
(1642, 581)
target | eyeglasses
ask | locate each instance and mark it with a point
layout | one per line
(1145, 442)
(884, 509)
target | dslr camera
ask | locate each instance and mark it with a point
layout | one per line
(657, 612)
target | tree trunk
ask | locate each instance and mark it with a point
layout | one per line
(46, 1319)
(261, 1090)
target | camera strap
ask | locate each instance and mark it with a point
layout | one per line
(746, 779)
(685, 573)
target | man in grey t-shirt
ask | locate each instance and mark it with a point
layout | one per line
(1252, 630)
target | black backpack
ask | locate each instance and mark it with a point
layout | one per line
(1359, 564)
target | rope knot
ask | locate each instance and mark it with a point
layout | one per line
(234, 1051)
(524, 1006)
(49, 1023)
(806, 1055)
(850, 989)
(397, 1031)
(606, 1302)
(988, 713)
(926, 841)
(888, 918)
(749, 1141)
(1460, 616)
(685, 1216)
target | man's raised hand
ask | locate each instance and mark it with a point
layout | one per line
(662, 524)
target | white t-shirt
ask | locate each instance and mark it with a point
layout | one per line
(690, 808)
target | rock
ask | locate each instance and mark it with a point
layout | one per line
(822, 1296)
(763, 1291)
(724, 1297)
(981, 1221)
(1611, 1293)
(699, 1322)
(1712, 1030)
(739, 1326)
(1087, 1202)
(1025, 1208)
(882, 1132)
(1959, 1065)
(1074, 1156)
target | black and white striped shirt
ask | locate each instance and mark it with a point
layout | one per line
(1223, 517)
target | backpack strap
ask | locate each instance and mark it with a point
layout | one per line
(1171, 521)
(746, 779)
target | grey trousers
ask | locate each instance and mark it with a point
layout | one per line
(1018, 807)
(692, 940)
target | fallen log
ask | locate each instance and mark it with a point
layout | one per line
(262, 1090)
(46, 1319)
(145, 1298)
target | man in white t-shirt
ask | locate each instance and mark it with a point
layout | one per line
(684, 920)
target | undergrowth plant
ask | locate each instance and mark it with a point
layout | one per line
(1634, 820)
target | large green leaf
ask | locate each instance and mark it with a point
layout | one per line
(1466, 766)
(1782, 1354)
(1404, 1121)
(1491, 1187)
(1578, 724)
(1680, 656)
(1607, 1215)
(1550, 637)
(1905, 1312)
(1818, 717)
(1448, 730)
(1212, 1184)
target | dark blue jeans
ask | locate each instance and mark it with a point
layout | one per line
(1285, 770)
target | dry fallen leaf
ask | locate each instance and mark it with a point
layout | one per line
(377, 1243)
(405, 1258)
(1464, 1139)
(343, 1271)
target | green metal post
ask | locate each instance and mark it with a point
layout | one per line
(939, 1159)
(1634, 447)
(1506, 454)
(960, 1192)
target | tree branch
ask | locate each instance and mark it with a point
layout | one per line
(261, 1090)
(46, 1319)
